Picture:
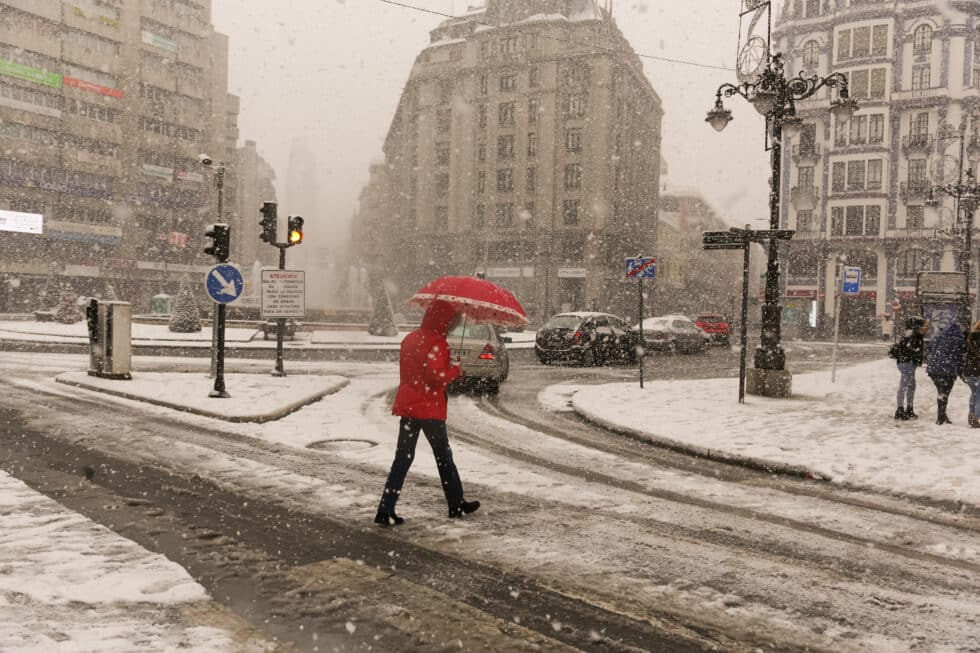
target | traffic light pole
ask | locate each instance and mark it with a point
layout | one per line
(219, 377)
(219, 184)
(280, 331)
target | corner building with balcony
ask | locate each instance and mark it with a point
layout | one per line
(861, 189)
(526, 146)
(105, 106)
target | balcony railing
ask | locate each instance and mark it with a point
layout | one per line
(806, 152)
(915, 190)
(808, 234)
(803, 197)
(916, 142)
(920, 233)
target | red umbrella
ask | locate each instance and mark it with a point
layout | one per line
(477, 299)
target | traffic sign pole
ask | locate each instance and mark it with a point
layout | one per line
(219, 377)
(281, 324)
(639, 287)
(743, 327)
(641, 268)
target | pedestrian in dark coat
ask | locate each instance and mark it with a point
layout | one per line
(426, 371)
(908, 354)
(945, 364)
(971, 373)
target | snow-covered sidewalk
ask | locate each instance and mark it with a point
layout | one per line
(844, 431)
(68, 584)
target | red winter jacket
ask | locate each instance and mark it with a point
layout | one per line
(425, 367)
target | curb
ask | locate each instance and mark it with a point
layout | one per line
(238, 419)
(748, 462)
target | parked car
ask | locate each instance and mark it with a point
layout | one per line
(716, 326)
(586, 339)
(673, 334)
(482, 353)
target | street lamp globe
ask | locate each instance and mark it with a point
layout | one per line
(764, 101)
(843, 108)
(719, 116)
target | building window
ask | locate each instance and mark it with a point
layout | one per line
(916, 218)
(411, 218)
(879, 81)
(444, 119)
(481, 116)
(844, 45)
(854, 225)
(840, 133)
(505, 114)
(505, 214)
(480, 216)
(811, 54)
(481, 151)
(573, 139)
(922, 39)
(570, 212)
(532, 110)
(573, 176)
(837, 221)
(505, 180)
(482, 83)
(858, 128)
(879, 40)
(875, 168)
(872, 224)
(481, 181)
(508, 83)
(920, 125)
(574, 105)
(510, 45)
(534, 77)
(442, 153)
(804, 221)
(440, 218)
(921, 78)
(812, 8)
(838, 177)
(527, 215)
(505, 147)
(446, 90)
(876, 128)
(531, 179)
(532, 145)
(858, 83)
(911, 262)
(855, 175)
(805, 177)
(442, 184)
(917, 171)
(861, 42)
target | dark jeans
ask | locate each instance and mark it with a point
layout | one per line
(944, 385)
(408, 437)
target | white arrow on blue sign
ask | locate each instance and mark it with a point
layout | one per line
(852, 281)
(224, 283)
(641, 267)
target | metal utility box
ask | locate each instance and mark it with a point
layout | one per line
(943, 298)
(110, 339)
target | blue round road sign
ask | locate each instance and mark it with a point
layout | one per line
(224, 283)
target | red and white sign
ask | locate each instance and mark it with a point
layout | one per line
(94, 88)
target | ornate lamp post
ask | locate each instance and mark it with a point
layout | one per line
(775, 97)
(967, 194)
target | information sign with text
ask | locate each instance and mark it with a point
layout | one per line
(283, 293)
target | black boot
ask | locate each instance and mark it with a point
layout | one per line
(900, 413)
(910, 414)
(387, 519)
(941, 417)
(464, 508)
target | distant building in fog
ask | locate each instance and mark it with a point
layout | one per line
(104, 109)
(256, 185)
(526, 146)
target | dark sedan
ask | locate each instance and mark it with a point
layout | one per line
(586, 339)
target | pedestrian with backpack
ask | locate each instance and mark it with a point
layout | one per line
(971, 373)
(945, 363)
(908, 354)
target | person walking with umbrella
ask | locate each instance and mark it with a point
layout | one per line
(425, 372)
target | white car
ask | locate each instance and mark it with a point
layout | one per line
(673, 334)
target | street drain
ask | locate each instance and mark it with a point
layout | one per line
(342, 444)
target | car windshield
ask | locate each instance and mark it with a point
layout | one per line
(563, 322)
(470, 332)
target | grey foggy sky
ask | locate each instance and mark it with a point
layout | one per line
(331, 72)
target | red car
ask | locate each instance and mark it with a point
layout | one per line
(716, 326)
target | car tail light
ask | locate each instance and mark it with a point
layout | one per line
(488, 354)
(659, 336)
(577, 336)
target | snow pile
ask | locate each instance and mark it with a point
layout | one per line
(843, 431)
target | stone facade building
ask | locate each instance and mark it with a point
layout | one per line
(525, 146)
(105, 107)
(861, 188)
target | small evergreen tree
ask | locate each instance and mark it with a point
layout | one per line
(383, 321)
(67, 311)
(184, 316)
(50, 295)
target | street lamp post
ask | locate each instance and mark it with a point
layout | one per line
(967, 194)
(775, 97)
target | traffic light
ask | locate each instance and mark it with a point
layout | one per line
(220, 235)
(295, 233)
(268, 222)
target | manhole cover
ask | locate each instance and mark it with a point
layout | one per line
(342, 444)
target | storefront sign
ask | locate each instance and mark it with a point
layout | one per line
(158, 171)
(158, 41)
(504, 273)
(572, 273)
(36, 75)
(184, 175)
(23, 223)
(94, 88)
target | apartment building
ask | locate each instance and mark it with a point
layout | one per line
(860, 189)
(105, 107)
(526, 147)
